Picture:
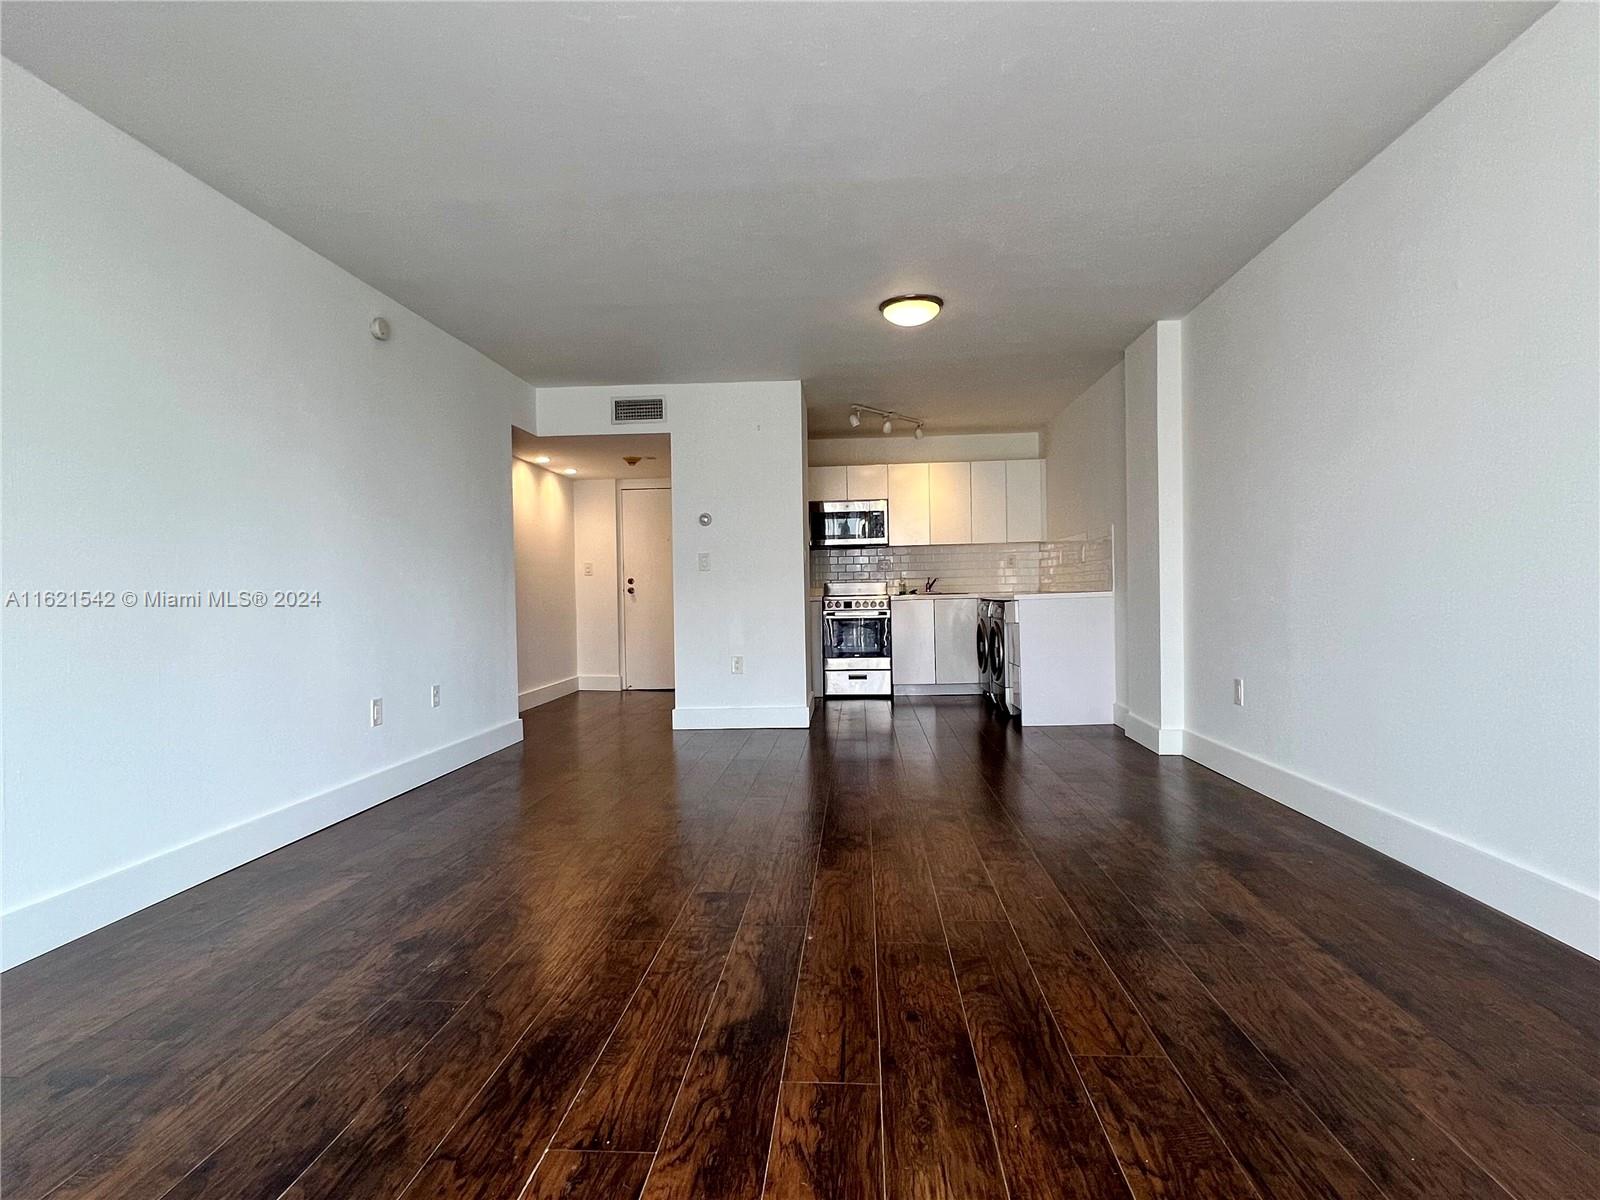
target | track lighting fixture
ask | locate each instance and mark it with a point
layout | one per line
(889, 418)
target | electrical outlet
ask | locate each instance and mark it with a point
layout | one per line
(705, 561)
(1238, 692)
(436, 695)
(738, 664)
(377, 712)
(588, 568)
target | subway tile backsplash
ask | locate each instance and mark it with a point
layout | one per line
(1081, 564)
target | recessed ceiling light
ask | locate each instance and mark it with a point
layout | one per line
(570, 471)
(911, 310)
(539, 460)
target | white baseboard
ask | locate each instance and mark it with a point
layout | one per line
(44, 924)
(546, 692)
(786, 716)
(938, 689)
(599, 683)
(1553, 906)
(1147, 734)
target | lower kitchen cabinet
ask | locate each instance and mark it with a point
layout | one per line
(911, 641)
(935, 642)
(955, 640)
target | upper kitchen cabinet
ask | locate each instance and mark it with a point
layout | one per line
(989, 502)
(1025, 500)
(908, 504)
(866, 483)
(949, 503)
(826, 483)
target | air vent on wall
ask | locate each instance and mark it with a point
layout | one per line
(627, 409)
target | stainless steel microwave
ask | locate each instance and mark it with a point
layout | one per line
(849, 522)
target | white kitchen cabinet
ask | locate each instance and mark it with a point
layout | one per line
(988, 502)
(1025, 500)
(826, 483)
(911, 641)
(908, 504)
(949, 503)
(955, 641)
(1071, 653)
(866, 483)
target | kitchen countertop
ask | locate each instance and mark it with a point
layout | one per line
(1054, 595)
(992, 595)
(816, 597)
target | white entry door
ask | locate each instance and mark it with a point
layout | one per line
(647, 588)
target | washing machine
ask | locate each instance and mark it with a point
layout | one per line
(996, 632)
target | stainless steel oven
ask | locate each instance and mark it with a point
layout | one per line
(849, 522)
(856, 653)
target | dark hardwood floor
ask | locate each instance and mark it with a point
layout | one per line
(911, 952)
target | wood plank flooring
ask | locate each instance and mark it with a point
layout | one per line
(911, 952)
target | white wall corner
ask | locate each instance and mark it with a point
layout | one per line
(1170, 517)
(546, 692)
(1564, 910)
(1153, 737)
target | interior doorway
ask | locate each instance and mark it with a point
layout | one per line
(645, 516)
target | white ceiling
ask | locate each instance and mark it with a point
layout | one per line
(628, 194)
(601, 455)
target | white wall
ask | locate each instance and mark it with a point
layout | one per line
(599, 633)
(1084, 456)
(547, 624)
(1392, 495)
(738, 453)
(1086, 485)
(192, 401)
(876, 447)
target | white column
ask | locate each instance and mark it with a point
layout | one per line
(1153, 629)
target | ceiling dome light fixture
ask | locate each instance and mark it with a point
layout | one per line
(909, 311)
